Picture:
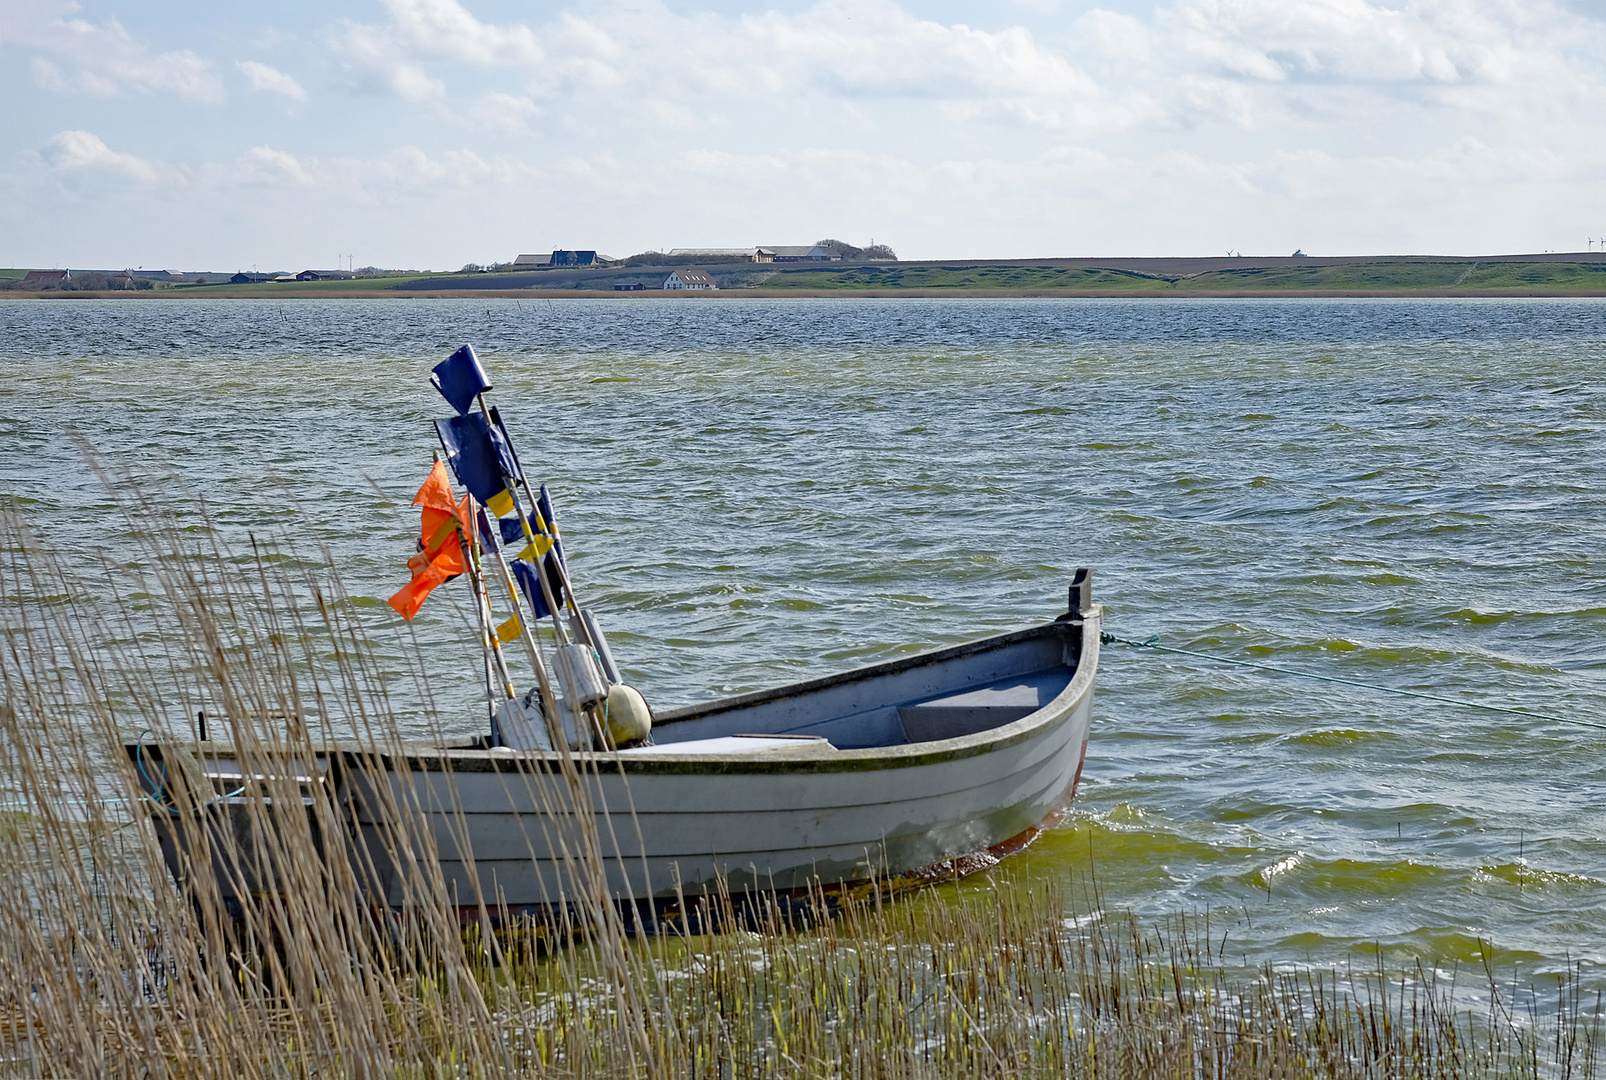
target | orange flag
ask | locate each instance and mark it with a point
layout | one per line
(437, 490)
(440, 555)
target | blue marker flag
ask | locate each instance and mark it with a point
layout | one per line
(487, 534)
(480, 458)
(460, 379)
(496, 422)
(544, 505)
(512, 531)
(524, 572)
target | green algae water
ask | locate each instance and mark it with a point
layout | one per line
(753, 492)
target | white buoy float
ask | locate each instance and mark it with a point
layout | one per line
(629, 718)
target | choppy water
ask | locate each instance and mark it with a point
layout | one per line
(1405, 492)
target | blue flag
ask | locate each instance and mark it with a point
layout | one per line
(524, 572)
(548, 565)
(460, 379)
(544, 506)
(501, 428)
(487, 534)
(481, 459)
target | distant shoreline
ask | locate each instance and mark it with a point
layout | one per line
(1535, 276)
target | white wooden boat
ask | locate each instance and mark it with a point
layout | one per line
(928, 766)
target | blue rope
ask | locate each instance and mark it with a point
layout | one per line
(1154, 643)
(157, 788)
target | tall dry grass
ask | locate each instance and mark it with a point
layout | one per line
(108, 968)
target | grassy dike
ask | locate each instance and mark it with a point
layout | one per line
(1397, 278)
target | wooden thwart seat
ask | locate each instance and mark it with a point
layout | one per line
(982, 709)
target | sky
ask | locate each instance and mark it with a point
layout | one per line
(433, 133)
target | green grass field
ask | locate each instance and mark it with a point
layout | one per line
(1362, 276)
(1406, 276)
(295, 288)
(300, 288)
(966, 277)
(1402, 277)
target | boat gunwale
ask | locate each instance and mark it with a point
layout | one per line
(975, 646)
(789, 760)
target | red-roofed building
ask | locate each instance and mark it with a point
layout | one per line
(46, 279)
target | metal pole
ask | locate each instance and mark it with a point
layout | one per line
(529, 535)
(548, 701)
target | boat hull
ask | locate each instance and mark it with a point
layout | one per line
(930, 765)
(674, 825)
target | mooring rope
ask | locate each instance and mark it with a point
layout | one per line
(1154, 643)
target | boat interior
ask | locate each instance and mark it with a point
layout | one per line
(941, 695)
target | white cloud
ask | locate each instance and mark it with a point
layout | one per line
(85, 152)
(878, 49)
(413, 84)
(412, 168)
(392, 56)
(379, 178)
(1427, 41)
(271, 80)
(1114, 36)
(464, 170)
(267, 167)
(671, 116)
(1248, 63)
(510, 112)
(76, 56)
(867, 48)
(444, 29)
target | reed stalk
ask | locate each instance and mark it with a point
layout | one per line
(110, 968)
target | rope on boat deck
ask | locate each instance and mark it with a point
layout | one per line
(1154, 643)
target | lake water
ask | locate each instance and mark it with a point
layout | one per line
(1405, 492)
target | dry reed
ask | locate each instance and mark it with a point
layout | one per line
(108, 969)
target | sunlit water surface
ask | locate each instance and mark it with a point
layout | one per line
(754, 492)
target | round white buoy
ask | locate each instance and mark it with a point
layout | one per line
(629, 719)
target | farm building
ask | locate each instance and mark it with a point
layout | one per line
(560, 257)
(799, 253)
(752, 254)
(689, 279)
(91, 280)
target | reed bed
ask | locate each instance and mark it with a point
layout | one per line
(108, 968)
